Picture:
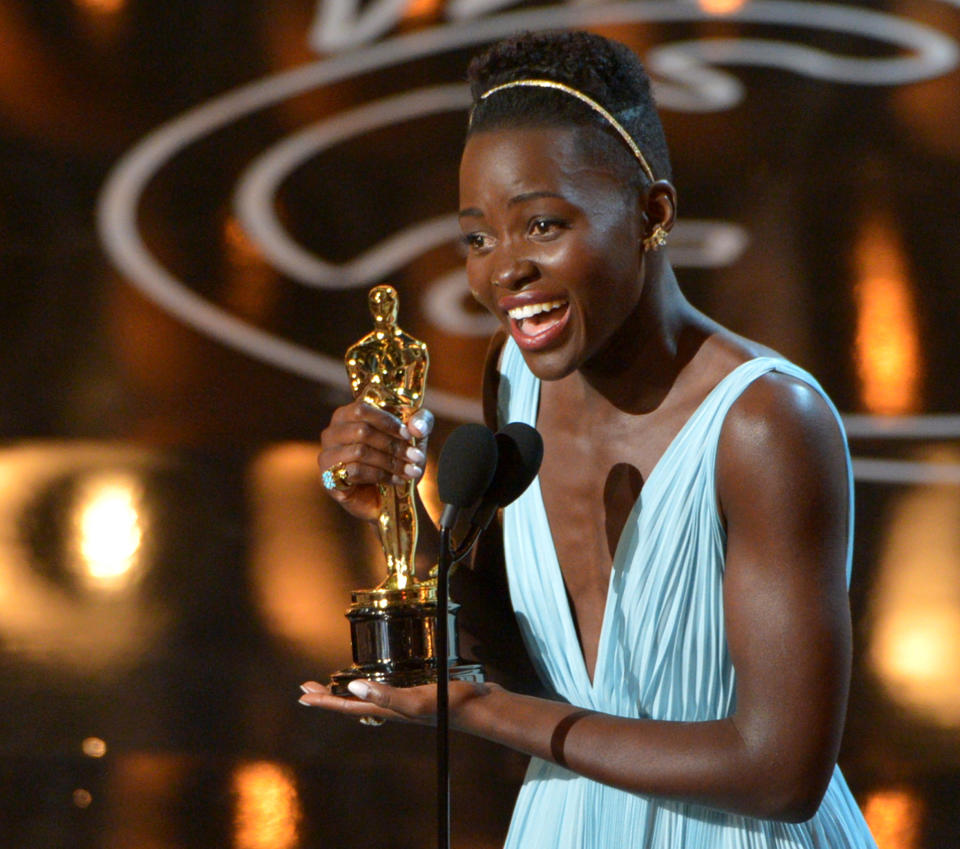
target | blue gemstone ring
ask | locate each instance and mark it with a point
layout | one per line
(336, 477)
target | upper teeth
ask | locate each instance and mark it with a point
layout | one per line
(530, 310)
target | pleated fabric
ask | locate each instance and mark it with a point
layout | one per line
(662, 652)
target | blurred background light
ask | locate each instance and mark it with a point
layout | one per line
(74, 527)
(915, 602)
(307, 555)
(109, 530)
(427, 490)
(94, 747)
(419, 9)
(722, 7)
(895, 818)
(101, 7)
(887, 334)
(82, 798)
(267, 813)
(251, 289)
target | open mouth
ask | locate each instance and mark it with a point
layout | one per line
(535, 325)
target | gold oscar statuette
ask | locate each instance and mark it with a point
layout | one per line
(393, 625)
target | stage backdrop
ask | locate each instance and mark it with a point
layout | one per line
(195, 196)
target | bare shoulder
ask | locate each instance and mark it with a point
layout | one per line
(781, 438)
(776, 408)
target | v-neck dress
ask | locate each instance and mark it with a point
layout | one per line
(662, 652)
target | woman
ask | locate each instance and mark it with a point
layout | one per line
(679, 568)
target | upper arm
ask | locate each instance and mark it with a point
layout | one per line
(782, 484)
(491, 378)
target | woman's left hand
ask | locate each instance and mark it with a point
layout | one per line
(406, 704)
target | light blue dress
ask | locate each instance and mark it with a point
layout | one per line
(662, 652)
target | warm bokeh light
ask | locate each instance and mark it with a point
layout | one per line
(82, 798)
(267, 812)
(722, 7)
(427, 490)
(887, 337)
(895, 818)
(915, 605)
(422, 9)
(251, 288)
(101, 7)
(307, 554)
(94, 747)
(918, 648)
(49, 620)
(109, 530)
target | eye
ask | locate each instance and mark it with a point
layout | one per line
(545, 227)
(475, 241)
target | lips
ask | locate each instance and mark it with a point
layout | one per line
(535, 325)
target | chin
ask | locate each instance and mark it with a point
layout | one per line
(549, 365)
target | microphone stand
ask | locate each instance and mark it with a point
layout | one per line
(443, 690)
(445, 561)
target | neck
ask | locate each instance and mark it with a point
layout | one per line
(636, 368)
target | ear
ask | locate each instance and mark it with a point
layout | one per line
(659, 206)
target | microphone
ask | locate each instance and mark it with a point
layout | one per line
(519, 454)
(465, 469)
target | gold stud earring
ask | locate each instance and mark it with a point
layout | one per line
(656, 240)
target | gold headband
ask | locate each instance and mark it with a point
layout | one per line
(589, 101)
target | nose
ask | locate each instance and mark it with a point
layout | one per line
(513, 273)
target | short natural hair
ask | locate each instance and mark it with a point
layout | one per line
(605, 70)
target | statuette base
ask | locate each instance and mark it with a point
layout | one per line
(393, 634)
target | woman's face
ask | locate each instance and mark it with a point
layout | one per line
(553, 243)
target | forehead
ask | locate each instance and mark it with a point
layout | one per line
(524, 158)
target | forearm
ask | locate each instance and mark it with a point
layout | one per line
(708, 763)
(738, 764)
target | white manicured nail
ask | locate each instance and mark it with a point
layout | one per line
(361, 689)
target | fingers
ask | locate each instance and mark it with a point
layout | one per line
(421, 424)
(415, 704)
(412, 704)
(317, 695)
(374, 447)
(378, 419)
(371, 459)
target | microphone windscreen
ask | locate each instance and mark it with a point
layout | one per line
(467, 462)
(519, 454)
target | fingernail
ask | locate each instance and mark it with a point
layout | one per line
(361, 689)
(415, 455)
(412, 472)
(304, 702)
(422, 422)
(404, 433)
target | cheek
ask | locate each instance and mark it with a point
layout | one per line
(565, 258)
(590, 267)
(619, 258)
(610, 287)
(478, 280)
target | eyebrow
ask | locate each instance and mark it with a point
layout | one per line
(473, 212)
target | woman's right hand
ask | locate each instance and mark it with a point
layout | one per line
(375, 447)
